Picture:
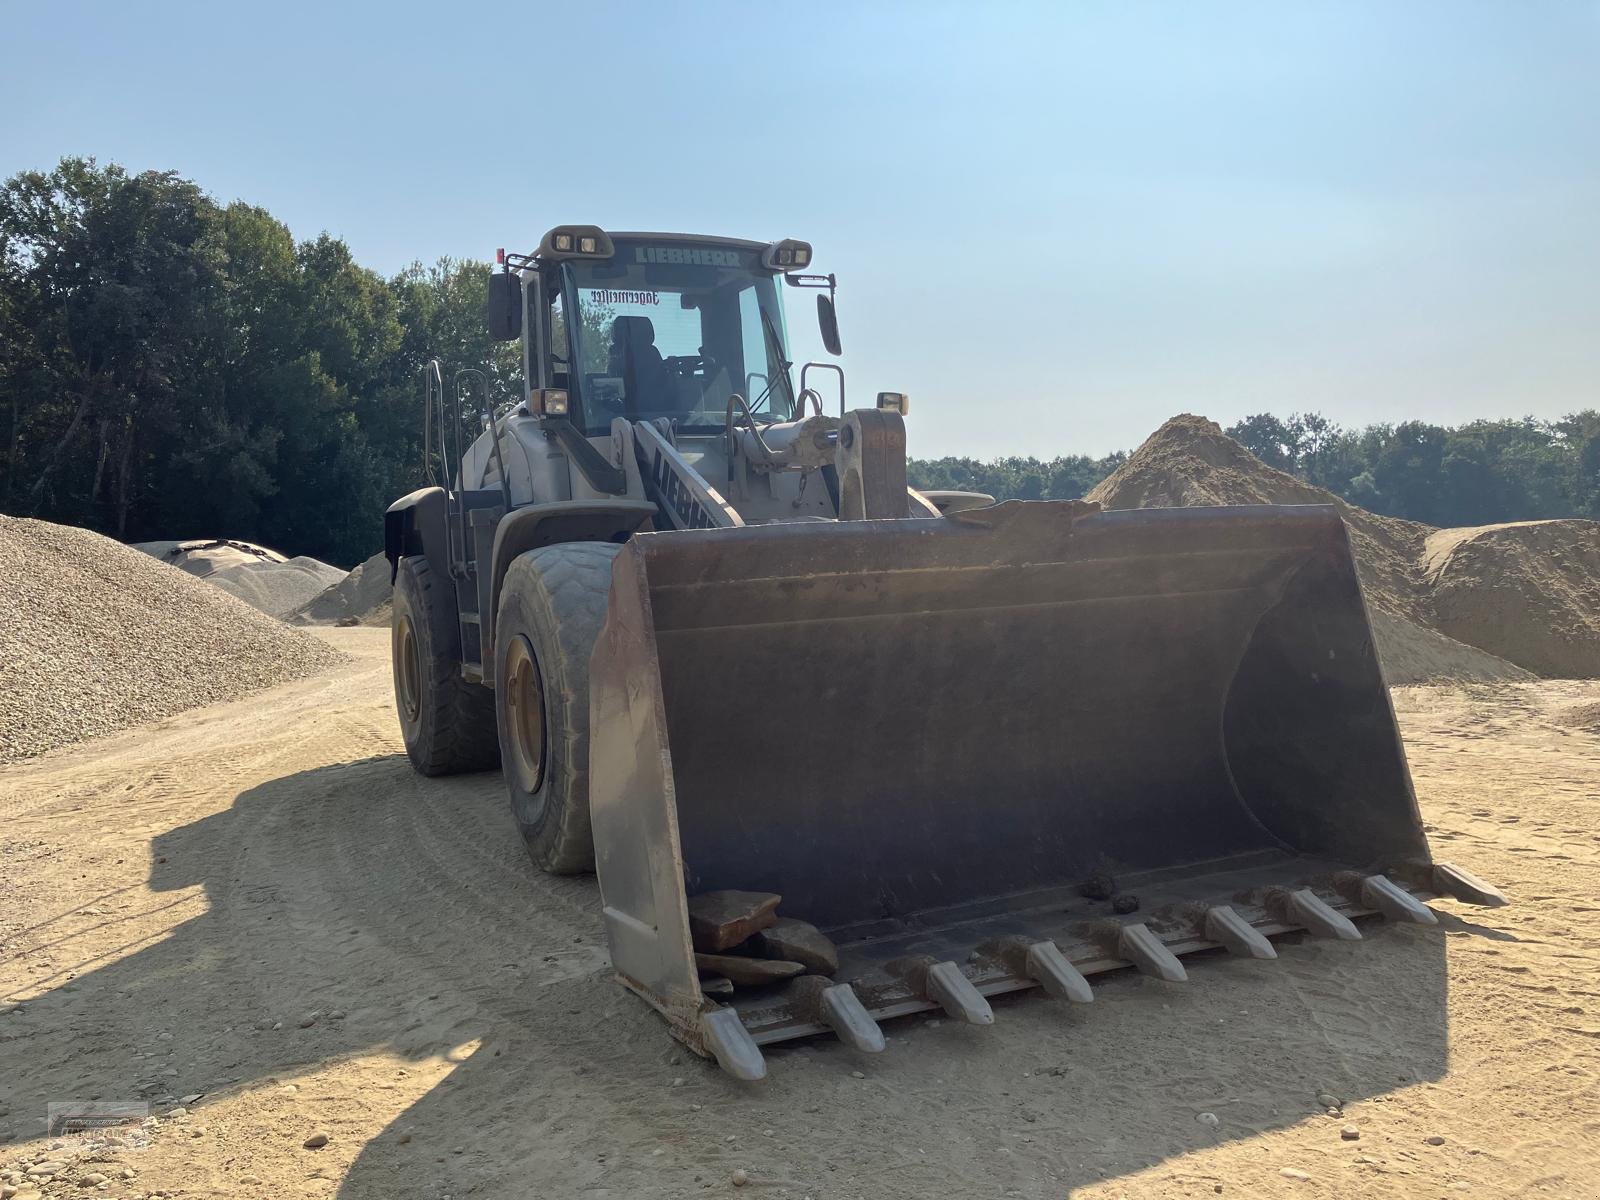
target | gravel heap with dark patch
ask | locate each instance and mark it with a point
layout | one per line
(96, 637)
(1490, 603)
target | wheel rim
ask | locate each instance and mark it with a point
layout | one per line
(408, 669)
(524, 701)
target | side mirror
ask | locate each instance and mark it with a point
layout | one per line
(828, 322)
(505, 307)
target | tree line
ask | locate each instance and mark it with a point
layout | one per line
(174, 367)
(1478, 473)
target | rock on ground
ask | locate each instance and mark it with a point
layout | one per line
(96, 637)
(801, 942)
(723, 919)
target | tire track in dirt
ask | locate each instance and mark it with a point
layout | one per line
(306, 868)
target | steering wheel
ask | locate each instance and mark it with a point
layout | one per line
(685, 365)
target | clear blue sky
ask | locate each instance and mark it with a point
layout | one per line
(1055, 224)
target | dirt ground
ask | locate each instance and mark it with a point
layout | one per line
(259, 903)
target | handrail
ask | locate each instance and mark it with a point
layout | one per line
(431, 376)
(490, 423)
(835, 368)
(433, 392)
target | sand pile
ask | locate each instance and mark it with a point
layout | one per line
(262, 578)
(1528, 591)
(1584, 717)
(1190, 461)
(1481, 604)
(359, 598)
(1412, 653)
(95, 637)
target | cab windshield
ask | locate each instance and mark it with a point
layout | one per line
(673, 329)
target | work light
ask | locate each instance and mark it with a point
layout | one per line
(576, 241)
(548, 402)
(787, 255)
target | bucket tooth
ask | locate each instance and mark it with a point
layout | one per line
(1149, 953)
(946, 986)
(1224, 925)
(1050, 968)
(735, 1050)
(843, 1012)
(1307, 909)
(1393, 901)
(1466, 887)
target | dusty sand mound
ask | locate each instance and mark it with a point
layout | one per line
(1528, 591)
(1580, 716)
(360, 598)
(1190, 461)
(1413, 653)
(1525, 595)
(95, 637)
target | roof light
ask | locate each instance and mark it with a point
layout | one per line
(786, 255)
(576, 241)
(500, 257)
(895, 402)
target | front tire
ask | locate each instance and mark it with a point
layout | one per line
(552, 604)
(446, 722)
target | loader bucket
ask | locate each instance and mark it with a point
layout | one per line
(1001, 749)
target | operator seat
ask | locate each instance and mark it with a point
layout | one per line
(645, 378)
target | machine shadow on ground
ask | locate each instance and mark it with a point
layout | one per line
(408, 905)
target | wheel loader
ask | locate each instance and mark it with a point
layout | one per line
(719, 647)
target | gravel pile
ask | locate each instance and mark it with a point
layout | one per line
(359, 598)
(1490, 603)
(96, 637)
(277, 589)
(261, 577)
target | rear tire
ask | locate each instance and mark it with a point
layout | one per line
(446, 722)
(552, 604)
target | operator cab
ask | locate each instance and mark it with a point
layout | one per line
(658, 362)
(670, 326)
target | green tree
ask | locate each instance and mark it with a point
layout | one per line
(122, 275)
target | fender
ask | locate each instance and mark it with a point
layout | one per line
(536, 525)
(414, 525)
